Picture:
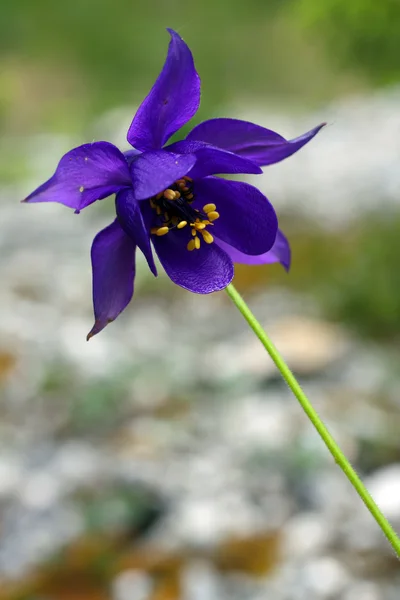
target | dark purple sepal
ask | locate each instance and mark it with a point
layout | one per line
(258, 144)
(113, 268)
(85, 174)
(172, 101)
(131, 221)
(213, 161)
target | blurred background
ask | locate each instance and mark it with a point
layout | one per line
(165, 460)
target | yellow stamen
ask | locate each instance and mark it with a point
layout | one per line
(189, 196)
(185, 188)
(162, 230)
(209, 208)
(182, 224)
(169, 194)
(194, 232)
(200, 225)
(191, 245)
(213, 215)
(186, 178)
(177, 195)
(196, 242)
(153, 230)
(207, 237)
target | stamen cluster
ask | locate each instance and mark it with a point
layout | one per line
(174, 208)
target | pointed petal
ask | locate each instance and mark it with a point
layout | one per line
(202, 271)
(261, 145)
(85, 174)
(280, 252)
(131, 220)
(153, 172)
(113, 265)
(172, 101)
(247, 219)
(212, 160)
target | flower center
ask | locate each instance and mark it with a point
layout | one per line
(174, 210)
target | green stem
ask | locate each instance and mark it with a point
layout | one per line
(332, 446)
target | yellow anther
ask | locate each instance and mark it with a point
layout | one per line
(181, 184)
(191, 245)
(187, 178)
(81, 189)
(196, 242)
(162, 231)
(185, 188)
(182, 224)
(177, 195)
(194, 232)
(207, 237)
(209, 208)
(169, 194)
(200, 225)
(213, 215)
(189, 196)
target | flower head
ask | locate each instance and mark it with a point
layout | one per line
(168, 196)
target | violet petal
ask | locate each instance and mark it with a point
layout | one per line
(202, 271)
(87, 173)
(280, 252)
(113, 266)
(153, 172)
(261, 145)
(172, 101)
(247, 219)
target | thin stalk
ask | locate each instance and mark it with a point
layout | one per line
(312, 414)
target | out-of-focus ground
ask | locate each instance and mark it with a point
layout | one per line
(165, 459)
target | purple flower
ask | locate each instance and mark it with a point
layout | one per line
(168, 196)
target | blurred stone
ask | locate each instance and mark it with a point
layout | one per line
(384, 486)
(131, 585)
(254, 555)
(40, 490)
(306, 535)
(309, 346)
(364, 590)
(325, 577)
(11, 476)
(200, 581)
(8, 361)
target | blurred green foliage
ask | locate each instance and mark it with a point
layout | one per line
(360, 33)
(354, 274)
(61, 63)
(367, 288)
